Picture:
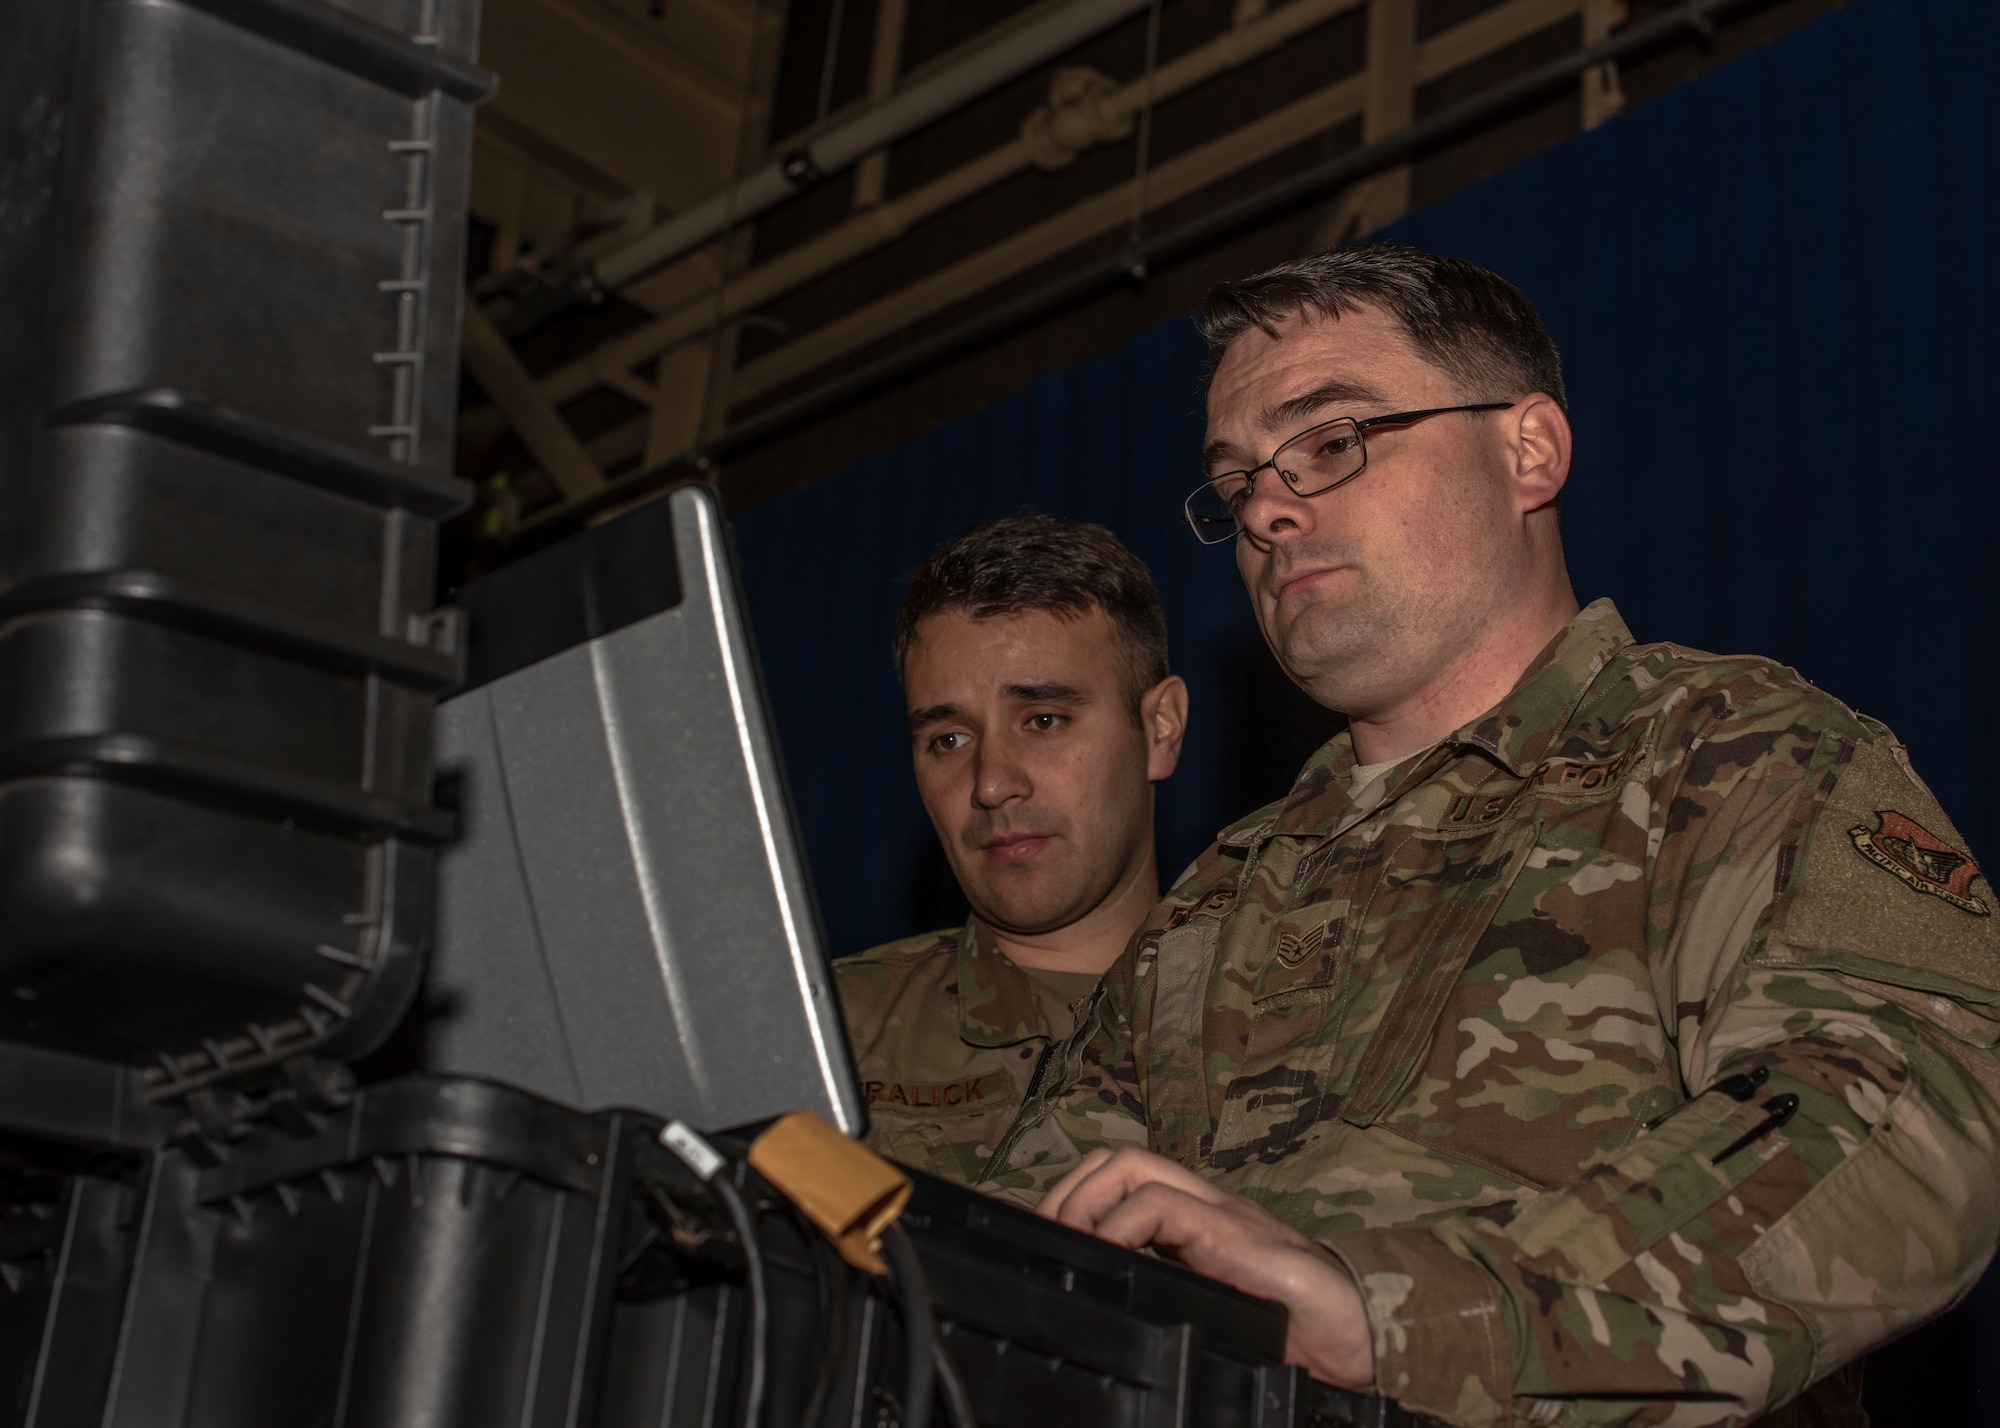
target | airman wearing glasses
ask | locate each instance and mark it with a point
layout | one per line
(1599, 1031)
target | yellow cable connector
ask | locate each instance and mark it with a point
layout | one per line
(848, 1192)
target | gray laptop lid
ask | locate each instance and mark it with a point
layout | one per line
(626, 920)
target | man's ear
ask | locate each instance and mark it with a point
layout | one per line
(1163, 715)
(1538, 435)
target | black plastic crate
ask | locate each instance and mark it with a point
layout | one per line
(66, 1246)
(231, 232)
(267, 940)
(438, 1252)
(457, 1254)
(1048, 1327)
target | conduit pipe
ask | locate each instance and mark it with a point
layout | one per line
(1102, 212)
(1288, 195)
(890, 221)
(991, 65)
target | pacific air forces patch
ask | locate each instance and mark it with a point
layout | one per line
(1920, 858)
(1885, 891)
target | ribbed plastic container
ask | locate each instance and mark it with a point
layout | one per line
(231, 234)
(449, 1253)
(66, 1247)
(439, 1252)
(1049, 1329)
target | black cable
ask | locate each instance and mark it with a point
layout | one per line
(713, 1169)
(760, 1299)
(913, 1298)
(830, 1278)
(957, 1403)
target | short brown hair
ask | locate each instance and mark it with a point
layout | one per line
(1471, 324)
(1025, 563)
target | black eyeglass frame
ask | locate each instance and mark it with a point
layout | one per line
(1201, 525)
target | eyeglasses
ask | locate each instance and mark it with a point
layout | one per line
(1311, 463)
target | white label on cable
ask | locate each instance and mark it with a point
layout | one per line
(701, 1157)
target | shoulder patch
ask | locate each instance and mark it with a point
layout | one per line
(1877, 884)
(1920, 858)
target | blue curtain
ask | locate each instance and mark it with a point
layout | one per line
(1775, 294)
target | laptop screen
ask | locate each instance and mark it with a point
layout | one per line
(627, 919)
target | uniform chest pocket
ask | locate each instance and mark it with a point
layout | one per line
(1339, 1031)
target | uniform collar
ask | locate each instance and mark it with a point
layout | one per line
(1516, 733)
(998, 1003)
(1519, 731)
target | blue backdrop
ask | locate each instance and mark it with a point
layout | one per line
(1774, 291)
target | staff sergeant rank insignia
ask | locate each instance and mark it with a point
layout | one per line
(1921, 859)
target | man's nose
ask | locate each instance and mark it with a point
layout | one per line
(998, 776)
(1274, 510)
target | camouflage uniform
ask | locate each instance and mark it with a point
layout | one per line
(1437, 1026)
(948, 1038)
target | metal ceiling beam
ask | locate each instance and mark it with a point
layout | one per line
(885, 223)
(540, 426)
(1107, 211)
(992, 63)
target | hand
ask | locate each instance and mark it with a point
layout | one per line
(1135, 1198)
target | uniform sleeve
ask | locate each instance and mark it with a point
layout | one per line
(1830, 951)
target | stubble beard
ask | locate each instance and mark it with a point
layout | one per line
(1032, 900)
(1351, 654)
(1330, 637)
(1056, 891)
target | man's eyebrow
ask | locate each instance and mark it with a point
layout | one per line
(932, 714)
(1047, 692)
(1281, 416)
(1223, 456)
(1282, 419)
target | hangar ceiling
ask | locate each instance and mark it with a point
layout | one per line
(733, 238)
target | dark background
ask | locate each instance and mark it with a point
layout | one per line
(1774, 289)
